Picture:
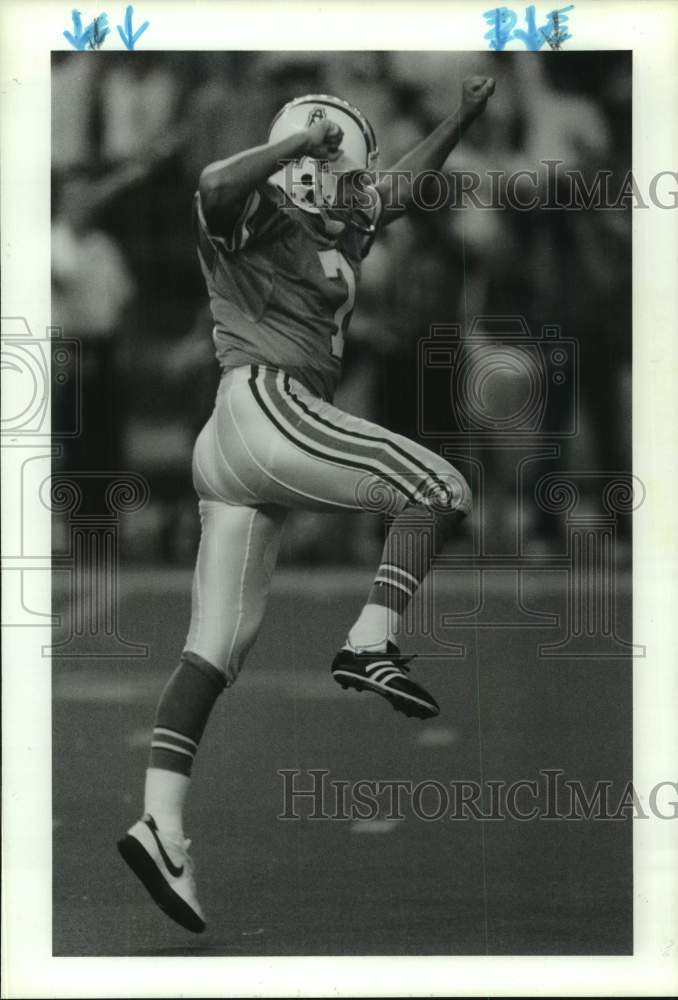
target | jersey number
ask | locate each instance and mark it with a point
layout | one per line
(335, 265)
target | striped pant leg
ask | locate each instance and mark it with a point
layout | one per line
(271, 446)
(381, 471)
(272, 441)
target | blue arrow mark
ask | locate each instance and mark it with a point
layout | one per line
(129, 36)
(79, 39)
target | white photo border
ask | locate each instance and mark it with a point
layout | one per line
(29, 31)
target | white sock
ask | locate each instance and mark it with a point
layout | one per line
(376, 625)
(164, 798)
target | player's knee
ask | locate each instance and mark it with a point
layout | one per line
(449, 495)
(225, 655)
(238, 654)
(233, 655)
(209, 661)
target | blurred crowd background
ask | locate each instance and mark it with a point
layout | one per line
(131, 133)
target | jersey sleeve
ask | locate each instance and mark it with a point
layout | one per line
(256, 216)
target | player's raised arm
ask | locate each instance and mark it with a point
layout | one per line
(225, 185)
(430, 154)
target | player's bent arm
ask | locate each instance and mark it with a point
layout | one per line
(225, 185)
(396, 188)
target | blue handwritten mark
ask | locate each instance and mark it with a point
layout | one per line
(503, 22)
(556, 31)
(81, 38)
(532, 38)
(503, 30)
(129, 36)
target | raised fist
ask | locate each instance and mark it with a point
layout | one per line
(324, 139)
(475, 91)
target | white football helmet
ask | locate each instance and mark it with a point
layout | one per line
(312, 184)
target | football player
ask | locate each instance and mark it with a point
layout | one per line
(281, 232)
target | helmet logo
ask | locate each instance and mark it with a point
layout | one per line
(316, 115)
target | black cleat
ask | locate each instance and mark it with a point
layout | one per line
(385, 674)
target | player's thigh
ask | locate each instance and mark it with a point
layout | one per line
(235, 562)
(245, 455)
(426, 476)
(326, 456)
(271, 441)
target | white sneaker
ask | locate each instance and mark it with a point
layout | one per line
(166, 869)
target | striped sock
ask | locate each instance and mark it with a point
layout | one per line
(417, 535)
(393, 587)
(172, 751)
(375, 627)
(181, 717)
(182, 714)
(406, 558)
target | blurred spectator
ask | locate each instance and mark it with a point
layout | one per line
(91, 288)
(73, 137)
(139, 100)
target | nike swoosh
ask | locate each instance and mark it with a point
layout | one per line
(171, 867)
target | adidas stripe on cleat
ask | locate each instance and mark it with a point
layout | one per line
(165, 868)
(385, 673)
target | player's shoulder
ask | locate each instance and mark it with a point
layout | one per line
(256, 218)
(264, 194)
